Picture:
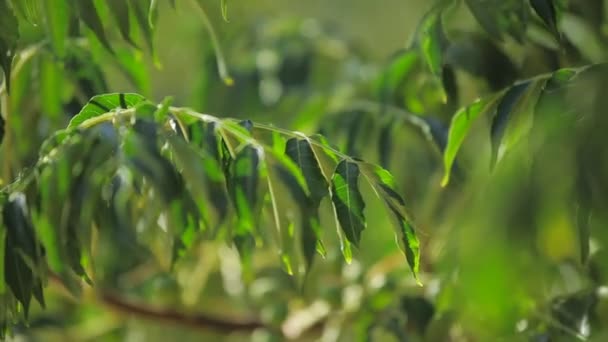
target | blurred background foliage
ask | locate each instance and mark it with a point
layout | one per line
(513, 247)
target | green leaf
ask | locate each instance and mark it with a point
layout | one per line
(433, 42)
(105, 103)
(9, 35)
(224, 6)
(120, 11)
(153, 13)
(140, 9)
(301, 152)
(27, 9)
(399, 68)
(1, 128)
(51, 87)
(242, 186)
(57, 13)
(141, 151)
(547, 12)
(20, 243)
(503, 111)
(459, 128)
(384, 185)
(88, 14)
(347, 200)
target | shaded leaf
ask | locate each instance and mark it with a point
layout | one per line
(504, 109)
(120, 11)
(20, 243)
(384, 185)
(547, 12)
(347, 200)
(88, 14)
(105, 103)
(242, 185)
(9, 34)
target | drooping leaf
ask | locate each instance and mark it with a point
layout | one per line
(20, 244)
(120, 11)
(301, 152)
(102, 104)
(243, 188)
(141, 151)
(347, 200)
(9, 35)
(88, 14)
(461, 123)
(547, 12)
(384, 185)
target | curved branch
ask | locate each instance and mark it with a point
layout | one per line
(198, 320)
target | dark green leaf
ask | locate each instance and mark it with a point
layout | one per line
(102, 104)
(88, 14)
(141, 151)
(58, 13)
(9, 35)
(301, 152)
(20, 243)
(242, 186)
(120, 11)
(384, 185)
(347, 200)
(504, 109)
(546, 11)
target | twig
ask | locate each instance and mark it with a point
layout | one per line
(199, 321)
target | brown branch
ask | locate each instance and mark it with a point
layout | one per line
(199, 321)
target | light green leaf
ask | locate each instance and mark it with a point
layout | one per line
(57, 13)
(459, 128)
(224, 5)
(102, 104)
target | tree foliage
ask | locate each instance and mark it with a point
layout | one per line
(492, 125)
